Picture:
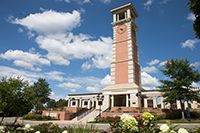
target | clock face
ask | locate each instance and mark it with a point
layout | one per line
(121, 29)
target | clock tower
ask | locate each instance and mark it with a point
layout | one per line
(125, 69)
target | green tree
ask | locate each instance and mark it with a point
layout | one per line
(41, 93)
(62, 102)
(194, 8)
(15, 96)
(178, 86)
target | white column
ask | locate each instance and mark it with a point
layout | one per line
(80, 102)
(145, 102)
(155, 103)
(89, 104)
(112, 101)
(93, 102)
(178, 104)
(186, 104)
(117, 17)
(127, 100)
(162, 104)
(69, 102)
(128, 13)
(106, 102)
(114, 17)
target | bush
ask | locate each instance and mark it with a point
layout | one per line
(10, 127)
(37, 117)
(32, 117)
(195, 114)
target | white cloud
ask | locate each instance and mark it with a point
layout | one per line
(195, 85)
(189, 43)
(105, 81)
(69, 86)
(147, 4)
(68, 47)
(149, 82)
(191, 17)
(93, 89)
(156, 61)
(56, 96)
(31, 76)
(162, 63)
(164, 1)
(196, 64)
(50, 21)
(20, 30)
(55, 75)
(25, 59)
(86, 1)
(86, 66)
(151, 69)
(106, 1)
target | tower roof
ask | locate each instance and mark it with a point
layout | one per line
(129, 5)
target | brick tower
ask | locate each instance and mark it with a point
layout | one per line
(125, 68)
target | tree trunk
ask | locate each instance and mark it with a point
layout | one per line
(2, 119)
(182, 110)
(16, 119)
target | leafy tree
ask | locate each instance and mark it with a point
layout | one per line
(15, 96)
(194, 8)
(181, 75)
(50, 103)
(62, 102)
(41, 95)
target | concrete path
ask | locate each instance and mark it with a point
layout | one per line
(75, 123)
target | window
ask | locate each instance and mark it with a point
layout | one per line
(122, 16)
(150, 103)
(73, 103)
(85, 103)
(99, 102)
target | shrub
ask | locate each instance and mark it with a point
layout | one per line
(37, 117)
(32, 117)
(194, 114)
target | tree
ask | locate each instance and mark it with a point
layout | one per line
(62, 102)
(41, 95)
(194, 8)
(15, 96)
(178, 86)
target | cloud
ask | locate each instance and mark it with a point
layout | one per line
(86, 66)
(105, 81)
(93, 89)
(20, 30)
(105, 1)
(190, 43)
(69, 86)
(65, 47)
(164, 1)
(50, 21)
(147, 4)
(162, 63)
(156, 61)
(30, 76)
(86, 1)
(149, 82)
(57, 97)
(196, 64)
(55, 75)
(191, 17)
(25, 59)
(151, 69)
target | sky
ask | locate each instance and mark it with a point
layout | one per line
(69, 42)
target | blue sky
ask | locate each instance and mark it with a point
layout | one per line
(68, 42)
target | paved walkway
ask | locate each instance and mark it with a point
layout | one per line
(75, 123)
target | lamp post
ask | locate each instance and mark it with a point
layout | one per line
(100, 98)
